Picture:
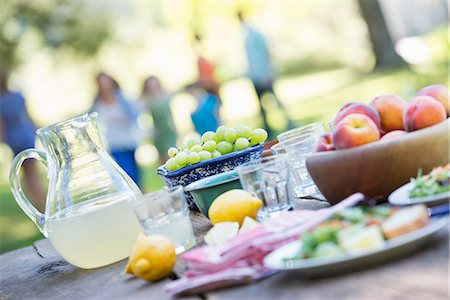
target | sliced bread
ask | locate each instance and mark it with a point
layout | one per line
(405, 220)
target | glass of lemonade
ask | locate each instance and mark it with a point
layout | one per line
(166, 212)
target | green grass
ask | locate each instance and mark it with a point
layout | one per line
(308, 98)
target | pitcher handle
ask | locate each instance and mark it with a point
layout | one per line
(14, 178)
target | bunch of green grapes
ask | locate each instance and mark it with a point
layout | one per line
(214, 144)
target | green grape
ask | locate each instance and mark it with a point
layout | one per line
(194, 158)
(187, 151)
(210, 146)
(216, 153)
(220, 133)
(225, 147)
(172, 152)
(242, 143)
(230, 135)
(209, 136)
(171, 165)
(205, 155)
(182, 159)
(184, 146)
(259, 135)
(196, 148)
(193, 141)
(243, 131)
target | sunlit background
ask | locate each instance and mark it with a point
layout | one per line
(323, 52)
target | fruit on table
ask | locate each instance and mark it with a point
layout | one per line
(224, 231)
(358, 108)
(391, 115)
(213, 144)
(221, 232)
(393, 134)
(248, 224)
(325, 143)
(234, 206)
(390, 108)
(438, 92)
(423, 111)
(153, 257)
(355, 130)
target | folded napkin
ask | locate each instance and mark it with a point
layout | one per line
(240, 260)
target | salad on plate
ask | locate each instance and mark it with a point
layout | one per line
(433, 183)
(359, 229)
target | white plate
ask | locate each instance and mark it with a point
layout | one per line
(394, 248)
(401, 197)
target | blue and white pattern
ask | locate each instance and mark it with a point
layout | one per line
(192, 173)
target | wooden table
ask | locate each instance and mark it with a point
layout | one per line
(38, 272)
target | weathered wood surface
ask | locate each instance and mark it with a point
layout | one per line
(38, 272)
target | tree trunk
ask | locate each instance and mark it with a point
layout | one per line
(382, 44)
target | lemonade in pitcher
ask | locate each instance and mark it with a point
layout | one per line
(88, 217)
(96, 233)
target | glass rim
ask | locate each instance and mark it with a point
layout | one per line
(278, 145)
(255, 165)
(169, 191)
(300, 140)
(295, 131)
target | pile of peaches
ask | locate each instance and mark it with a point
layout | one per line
(386, 117)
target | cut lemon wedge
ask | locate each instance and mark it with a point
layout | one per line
(221, 232)
(249, 223)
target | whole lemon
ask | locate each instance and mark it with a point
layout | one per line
(234, 206)
(153, 257)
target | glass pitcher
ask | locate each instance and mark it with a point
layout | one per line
(87, 217)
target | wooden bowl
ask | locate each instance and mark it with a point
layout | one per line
(378, 168)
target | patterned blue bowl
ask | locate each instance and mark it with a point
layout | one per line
(203, 169)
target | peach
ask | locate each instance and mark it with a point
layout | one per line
(355, 130)
(390, 108)
(438, 92)
(393, 134)
(423, 111)
(325, 143)
(358, 108)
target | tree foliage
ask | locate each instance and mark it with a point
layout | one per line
(78, 25)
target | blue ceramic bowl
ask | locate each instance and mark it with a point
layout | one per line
(203, 169)
(206, 190)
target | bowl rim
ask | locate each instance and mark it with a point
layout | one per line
(412, 135)
(193, 186)
(162, 170)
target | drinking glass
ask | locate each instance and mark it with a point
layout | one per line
(298, 143)
(297, 153)
(166, 212)
(316, 129)
(278, 149)
(267, 179)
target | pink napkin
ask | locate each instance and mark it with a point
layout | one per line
(240, 260)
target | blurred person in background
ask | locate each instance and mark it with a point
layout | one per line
(206, 69)
(117, 118)
(206, 116)
(18, 132)
(260, 69)
(157, 101)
